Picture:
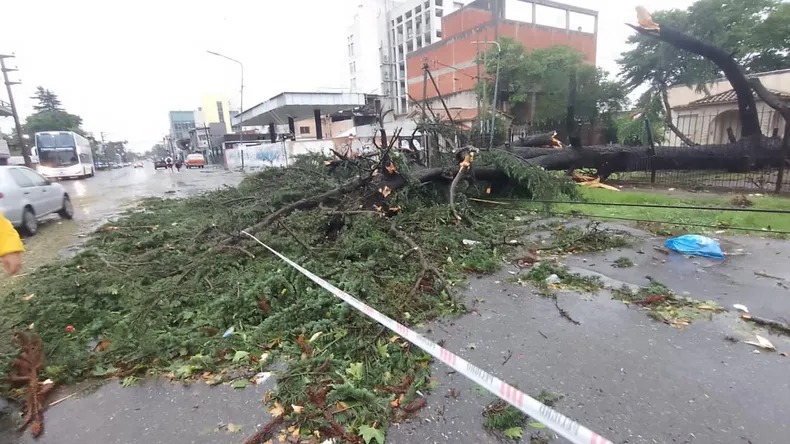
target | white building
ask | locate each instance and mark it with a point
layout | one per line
(383, 33)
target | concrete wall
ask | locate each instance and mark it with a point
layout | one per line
(330, 129)
(708, 124)
(280, 154)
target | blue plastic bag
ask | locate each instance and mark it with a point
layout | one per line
(695, 245)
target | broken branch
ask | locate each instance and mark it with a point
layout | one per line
(427, 267)
(769, 323)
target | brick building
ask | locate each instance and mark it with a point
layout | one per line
(453, 60)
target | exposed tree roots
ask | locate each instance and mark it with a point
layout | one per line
(26, 368)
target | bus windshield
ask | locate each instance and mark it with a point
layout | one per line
(56, 150)
(55, 140)
(57, 157)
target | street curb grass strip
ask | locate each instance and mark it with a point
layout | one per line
(559, 423)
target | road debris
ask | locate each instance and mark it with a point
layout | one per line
(740, 307)
(762, 343)
(771, 324)
(695, 245)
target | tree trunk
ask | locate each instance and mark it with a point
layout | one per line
(750, 122)
(745, 155)
(538, 140)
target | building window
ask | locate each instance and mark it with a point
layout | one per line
(221, 112)
(304, 130)
(353, 85)
(351, 49)
(352, 67)
(458, 5)
(439, 12)
(438, 2)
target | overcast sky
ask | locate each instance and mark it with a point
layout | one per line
(123, 65)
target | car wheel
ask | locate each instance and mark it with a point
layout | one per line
(29, 222)
(67, 212)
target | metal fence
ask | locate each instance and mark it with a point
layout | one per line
(704, 126)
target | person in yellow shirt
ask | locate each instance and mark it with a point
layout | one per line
(11, 247)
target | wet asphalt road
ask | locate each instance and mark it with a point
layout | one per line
(625, 376)
(105, 196)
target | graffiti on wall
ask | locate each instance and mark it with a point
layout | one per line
(256, 156)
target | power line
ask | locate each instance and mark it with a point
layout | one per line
(455, 69)
(669, 207)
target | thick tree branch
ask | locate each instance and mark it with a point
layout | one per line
(750, 122)
(662, 91)
(770, 98)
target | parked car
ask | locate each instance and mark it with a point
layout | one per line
(160, 163)
(138, 164)
(195, 160)
(26, 197)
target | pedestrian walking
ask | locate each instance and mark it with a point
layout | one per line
(179, 164)
(169, 162)
(11, 247)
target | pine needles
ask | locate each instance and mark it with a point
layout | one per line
(154, 292)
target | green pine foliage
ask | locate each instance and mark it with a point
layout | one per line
(161, 285)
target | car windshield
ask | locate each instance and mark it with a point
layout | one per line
(57, 157)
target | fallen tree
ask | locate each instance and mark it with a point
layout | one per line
(378, 227)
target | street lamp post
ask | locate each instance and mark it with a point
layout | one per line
(241, 99)
(496, 87)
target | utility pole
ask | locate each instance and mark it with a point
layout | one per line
(8, 83)
(103, 149)
(241, 98)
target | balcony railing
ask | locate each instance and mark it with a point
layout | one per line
(5, 109)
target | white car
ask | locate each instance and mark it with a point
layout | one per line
(26, 197)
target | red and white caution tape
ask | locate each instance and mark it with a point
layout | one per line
(561, 424)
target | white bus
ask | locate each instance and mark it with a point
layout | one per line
(64, 154)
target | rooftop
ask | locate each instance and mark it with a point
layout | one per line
(726, 97)
(297, 105)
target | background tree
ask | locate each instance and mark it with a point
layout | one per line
(534, 85)
(49, 115)
(47, 100)
(631, 126)
(754, 31)
(115, 151)
(158, 151)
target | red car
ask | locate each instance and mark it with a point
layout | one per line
(195, 161)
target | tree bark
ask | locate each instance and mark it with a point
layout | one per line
(774, 102)
(537, 140)
(745, 155)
